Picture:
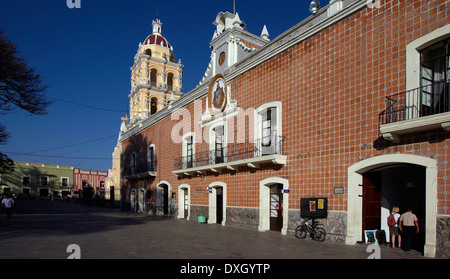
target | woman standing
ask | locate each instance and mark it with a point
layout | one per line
(393, 226)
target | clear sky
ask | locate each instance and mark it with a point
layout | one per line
(85, 57)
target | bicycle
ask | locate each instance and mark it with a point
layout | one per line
(314, 230)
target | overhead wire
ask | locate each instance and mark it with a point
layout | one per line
(32, 153)
(87, 106)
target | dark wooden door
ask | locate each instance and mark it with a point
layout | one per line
(219, 208)
(371, 202)
(166, 200)
(276, 208)
(111, 195)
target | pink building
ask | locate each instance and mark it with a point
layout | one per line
(84, 178)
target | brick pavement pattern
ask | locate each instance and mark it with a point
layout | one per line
(44, 230)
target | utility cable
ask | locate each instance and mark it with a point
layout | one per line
(87, 106)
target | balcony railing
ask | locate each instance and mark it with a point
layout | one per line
(423, 101)
(416, 110)
(233, 154)
(141, 170)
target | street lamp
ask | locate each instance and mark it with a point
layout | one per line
(314, 6)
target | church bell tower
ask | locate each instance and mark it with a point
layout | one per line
(156, 79)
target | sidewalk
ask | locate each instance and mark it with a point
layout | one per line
(44, 230)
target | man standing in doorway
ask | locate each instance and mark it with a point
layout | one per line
(409, 223)
(8, 204)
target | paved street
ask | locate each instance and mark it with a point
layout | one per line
(43, 230)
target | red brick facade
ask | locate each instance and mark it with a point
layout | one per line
(332, 86)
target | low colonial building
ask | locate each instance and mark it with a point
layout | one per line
(88, 178)
(36, 179)
(350, 106)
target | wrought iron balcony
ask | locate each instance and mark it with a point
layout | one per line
(265, 150)
(419, 109)
(142, 170)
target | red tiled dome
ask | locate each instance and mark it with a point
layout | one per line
(156, 39)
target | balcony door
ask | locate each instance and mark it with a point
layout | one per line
(269, 139)
(151, 161)
(435, 75)
(218, 147)
(189, 152)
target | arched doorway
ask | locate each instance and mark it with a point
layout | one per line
(133, 200)
(183, 201)
(401, 185)
(141, 200)
(217, 203)
(273, 204)
(162, 200)
(377, 184)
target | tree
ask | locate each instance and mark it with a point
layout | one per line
(20, 88)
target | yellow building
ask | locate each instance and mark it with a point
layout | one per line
(113, 180)
(156, 79)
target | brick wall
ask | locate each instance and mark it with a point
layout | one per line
(332, 87)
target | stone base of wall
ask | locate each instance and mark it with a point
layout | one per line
(248, 218)
(335, 224)
(443, 237)
(244, 218)
(198, 210)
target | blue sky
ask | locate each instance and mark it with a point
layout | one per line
(85, 57)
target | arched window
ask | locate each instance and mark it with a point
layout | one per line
(148, 52)
(153, 74)
(153, 105)
(133, 163)
(151, 158)
(170, 82)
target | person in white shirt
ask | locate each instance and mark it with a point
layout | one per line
(8, 204)
(409, 224)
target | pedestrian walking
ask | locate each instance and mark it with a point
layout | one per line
(8, 204)
(393, 227)
(409, 225)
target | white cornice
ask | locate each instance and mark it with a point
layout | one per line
(305, 29)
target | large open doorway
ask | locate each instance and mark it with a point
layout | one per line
(377, 184)
(401, 185)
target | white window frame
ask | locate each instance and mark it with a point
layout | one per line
(40, 180)
(258, 119)
(23, 176)
(212, 138)
(413, 51)
(184, 149)
(68, 181)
